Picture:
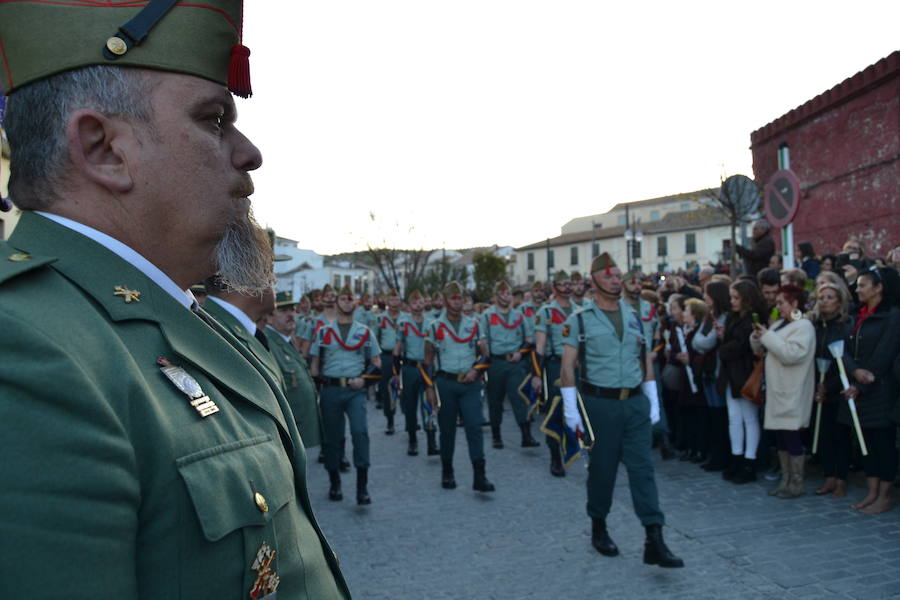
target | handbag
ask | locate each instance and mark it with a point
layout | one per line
(752, 389)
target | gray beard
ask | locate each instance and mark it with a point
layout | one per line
(244, 257)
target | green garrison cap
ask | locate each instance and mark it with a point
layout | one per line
(604, 262)
(501, 285)
(633, 274)
(576, 276)
(414, 295)
(560, 276)
(346, 291)
(41, 38)
(452, 288)
(284, 299)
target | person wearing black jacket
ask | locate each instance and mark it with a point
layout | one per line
(762, 247)
(873, 346)
(736, 358)
(832, 324)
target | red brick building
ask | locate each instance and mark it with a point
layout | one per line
(845, 150)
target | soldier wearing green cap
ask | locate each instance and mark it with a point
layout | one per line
(298, 384)
(386, 333)
(620, 398)
(452, 376)
(549, 324)
(346, 357)
(530, 307)
(579, 288)
(409, 356)
(508, 338)
(160, 446)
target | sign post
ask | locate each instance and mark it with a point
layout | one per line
(782, 199)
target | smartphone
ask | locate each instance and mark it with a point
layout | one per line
(755, 317)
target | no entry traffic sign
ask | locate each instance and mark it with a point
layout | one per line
(782, 198)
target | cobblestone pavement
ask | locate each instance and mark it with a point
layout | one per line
(531, 538)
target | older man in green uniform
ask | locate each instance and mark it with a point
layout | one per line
(146, 454)
(607, 339)
(409, 354)
(508, 338)
(298, 384)
(346, 357)
(549, 323)
(454, 367)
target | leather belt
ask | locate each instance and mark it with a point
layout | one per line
(614, 393)
(337, 381)
(505, 357)
(458, 377)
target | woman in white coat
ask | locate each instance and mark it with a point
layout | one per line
(789, 347)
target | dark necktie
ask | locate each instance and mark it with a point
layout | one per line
(262, 338)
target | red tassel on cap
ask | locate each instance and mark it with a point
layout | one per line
(239, 71)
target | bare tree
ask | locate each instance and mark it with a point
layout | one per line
(399, 268)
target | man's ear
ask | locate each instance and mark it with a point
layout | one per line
(97, 146)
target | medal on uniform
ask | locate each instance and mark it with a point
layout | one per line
(187, 384)
(267, 580)
(128, 295)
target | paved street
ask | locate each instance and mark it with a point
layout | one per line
(531, 538)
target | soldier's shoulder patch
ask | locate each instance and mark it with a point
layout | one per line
(566, 330)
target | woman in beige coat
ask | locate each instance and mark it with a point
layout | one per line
(789, 347)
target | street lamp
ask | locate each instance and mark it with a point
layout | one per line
(631, 239)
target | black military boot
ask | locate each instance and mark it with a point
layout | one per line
(448, 482)
(413, 449)
(334, 492)
(498, 440)
(390, 425)
(656, 552)
(556, 467)
(480, 482)
(362, 490)
(527, 440)
(600, 539)
(433, 449)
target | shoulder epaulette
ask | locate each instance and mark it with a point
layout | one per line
(14, 263)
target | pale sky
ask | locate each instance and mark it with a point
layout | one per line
(473, 122)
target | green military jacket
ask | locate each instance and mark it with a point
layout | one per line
(344, 357)
(299, 387)
(385, 328)
(411, 336)
(611, 361)
(505, 333)
(551, 319)
(240, 332)
(455, 349)
(113, 484)
(302, 322)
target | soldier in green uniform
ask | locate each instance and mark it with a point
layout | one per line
(437, 306)
(621, 402)
(299, 388)
(345, 357)
(303, 310)
(386, 333)
(409, 353)
(508, 338)
(530, 307)
(578, 290)
(453, 367)
(146, 452)
(549, 323)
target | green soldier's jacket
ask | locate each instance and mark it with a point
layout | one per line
(113, 483)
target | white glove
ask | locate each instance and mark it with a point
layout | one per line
(570, 409)
(648, 388)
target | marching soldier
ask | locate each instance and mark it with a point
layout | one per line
(578, 290)
(453, 367)
(531, 305)
(303, 310)
(621, 403)
(299, 387)
(508, 338)
(437, 306)
(549, 326)
(386, 332)
(147, 452)
(318, 317)
(409, 355)
(346, 358)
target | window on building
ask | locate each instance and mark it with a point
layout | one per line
(347, 280)
(595, 250)
(690, 243)
(337, 283)
(573, 255)
(654, 215)
(530, 260)
(621, 219)
(635, 249)
(551, 262)
(662, 246)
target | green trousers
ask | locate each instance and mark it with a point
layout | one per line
(384, 385)
(623, 433)
(504, 378)
(413, 388)
(552, 368)
(465, 399)
(336, 402)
